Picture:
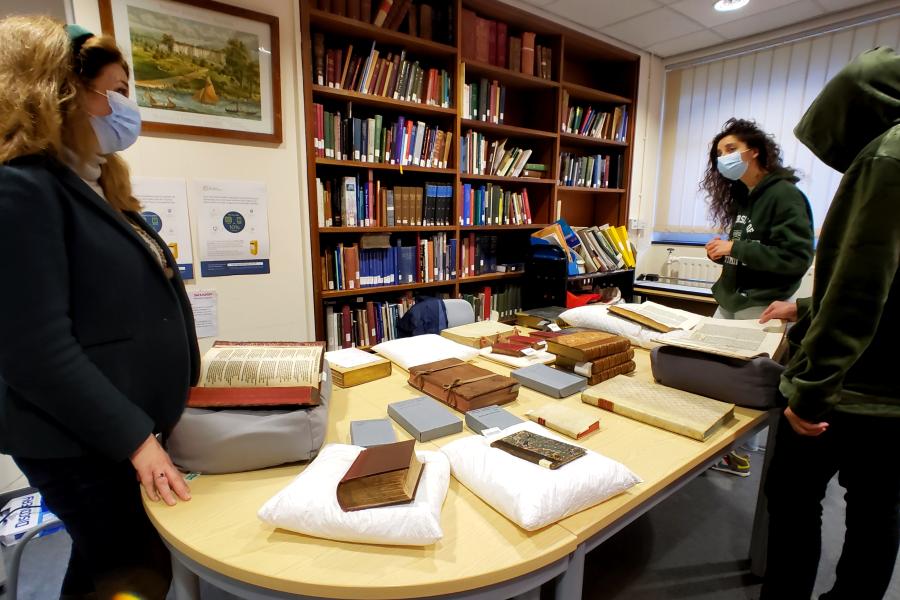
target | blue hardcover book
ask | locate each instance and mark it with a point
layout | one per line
(467, 216)
(595, 177)
(382, 268)
(453, 246)
(428, 213)
(399, 133)
(446, 202)
(364, 141)
(357, 141)
(339, 272)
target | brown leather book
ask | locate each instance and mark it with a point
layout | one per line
(319, 57)
(540, 450)
(365, 10)
(353, 9)
(515, 54)
(425, 18)
(622, 369)
(463, 386)
(502, 54)
(528, 39)
(546, 335)
(585, 346)
(590, 368)
(233, 375)
(381, 475)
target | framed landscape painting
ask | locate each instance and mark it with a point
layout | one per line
(200, 67)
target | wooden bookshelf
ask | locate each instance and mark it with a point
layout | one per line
(384, 288)
(499, 179)
(490, 277)
(357, 164)
(418, 108)
(590, 71)
(507, 130)
(590, 190)
(573, 139)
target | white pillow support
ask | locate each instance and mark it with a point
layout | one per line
(529, 495)
(309, 504)
(595, 316)
(423, 349)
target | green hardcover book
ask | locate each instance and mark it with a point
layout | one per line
(379, 135)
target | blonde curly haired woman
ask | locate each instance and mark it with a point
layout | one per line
(97, 343)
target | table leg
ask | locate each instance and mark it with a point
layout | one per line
(568, 585)
(759, 537)
(185, 583)
(534, 594)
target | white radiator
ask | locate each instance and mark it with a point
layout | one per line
(694, 269)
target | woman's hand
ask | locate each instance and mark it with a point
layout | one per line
(786, 311)
(804, 427)
(717, 248)
(157, 474)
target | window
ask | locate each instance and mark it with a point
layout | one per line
(773, 86)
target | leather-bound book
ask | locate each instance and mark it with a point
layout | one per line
(593, 367)
(585, 346)
(461, 385)
(253, 375)
(381, 475)
(543, 451)
(664, 407)
(528, 39)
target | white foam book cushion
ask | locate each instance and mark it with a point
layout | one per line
(309, 504)
(529, 495)
(596, 316)
(422, 349)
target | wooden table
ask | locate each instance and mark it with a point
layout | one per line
(218, 537)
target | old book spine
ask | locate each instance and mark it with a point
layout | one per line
(601, 364)
(610, 373)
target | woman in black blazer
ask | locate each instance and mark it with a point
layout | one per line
(97, 343)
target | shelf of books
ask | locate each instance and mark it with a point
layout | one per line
(440, 136)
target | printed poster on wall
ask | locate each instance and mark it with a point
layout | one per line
(233, 227)
(164, 206)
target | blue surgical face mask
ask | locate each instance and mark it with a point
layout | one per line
(119, 129)
(731, 166)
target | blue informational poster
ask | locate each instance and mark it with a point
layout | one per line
(164, 207)
(233, 228)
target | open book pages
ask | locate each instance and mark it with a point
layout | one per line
(738, 338)
(232, 365)
(656, 316)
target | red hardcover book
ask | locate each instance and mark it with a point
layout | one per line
(501, 45)
(471, 254)
(348, 58)
(372, 331)
(353, 9)
(527, 206)
(492, 43)
(509, 349)
(482, 39)
(228, 365)
(469, 25)
(486, 312)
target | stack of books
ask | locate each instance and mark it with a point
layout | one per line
(353, 201)
(593, 354)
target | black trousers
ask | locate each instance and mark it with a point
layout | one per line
(862, 450)
(115, 548)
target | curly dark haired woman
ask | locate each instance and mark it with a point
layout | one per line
(753, 195)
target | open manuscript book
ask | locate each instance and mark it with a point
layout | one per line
(259, 374)
(745, 339)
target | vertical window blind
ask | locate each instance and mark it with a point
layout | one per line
(772, 86)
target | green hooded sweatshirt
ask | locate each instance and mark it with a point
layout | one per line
(845, 341)
(773, 244)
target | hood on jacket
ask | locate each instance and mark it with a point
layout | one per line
(860, 103)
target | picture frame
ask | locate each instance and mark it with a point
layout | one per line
(200, 67)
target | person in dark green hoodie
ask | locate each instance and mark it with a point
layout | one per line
(843, 398)
(752, 195)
